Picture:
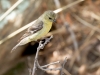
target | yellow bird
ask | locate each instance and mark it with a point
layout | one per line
(39, 29)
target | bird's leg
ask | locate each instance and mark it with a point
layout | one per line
(44, 38)
(47, 39)
(50, 37)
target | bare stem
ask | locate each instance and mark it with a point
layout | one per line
(41, 46)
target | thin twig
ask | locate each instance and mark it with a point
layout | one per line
(72, 35)
(68, 6)
(41, 46)
(11, 9)
(66, 72)
(94, 65)
(37, 65)
(86, 23)
(64, 62)
(47, 69)
(36, 57)
(16, 32)
(50, 64)
(86, 41)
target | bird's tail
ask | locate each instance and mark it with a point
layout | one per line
(14, 48)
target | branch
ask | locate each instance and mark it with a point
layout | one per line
(11, 9)
(51, 64)
(64, 62)
(44, 68)
(41, 46)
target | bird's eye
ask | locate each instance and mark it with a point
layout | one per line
(50, 18)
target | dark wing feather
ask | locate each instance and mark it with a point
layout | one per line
(37, 26)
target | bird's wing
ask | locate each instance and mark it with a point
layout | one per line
(37, 26)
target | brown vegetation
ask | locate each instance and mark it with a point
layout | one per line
(76, 36)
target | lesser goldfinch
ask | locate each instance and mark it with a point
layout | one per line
(39, 29)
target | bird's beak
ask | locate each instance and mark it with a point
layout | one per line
(54, 20)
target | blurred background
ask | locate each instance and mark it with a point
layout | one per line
(76, 36)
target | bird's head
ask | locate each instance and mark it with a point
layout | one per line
(50, 16)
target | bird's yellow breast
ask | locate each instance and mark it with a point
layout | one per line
(46, 28)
